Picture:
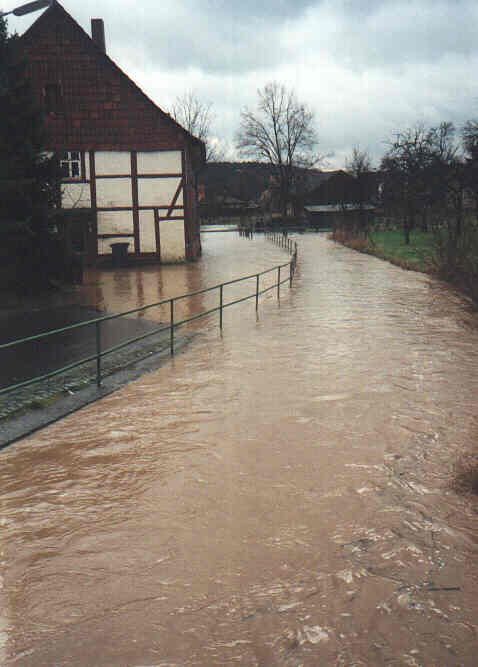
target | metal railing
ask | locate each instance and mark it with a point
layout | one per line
(282, 239)
(170, 327)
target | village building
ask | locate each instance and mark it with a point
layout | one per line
(127, 165)
(328, 216)
(340, 200)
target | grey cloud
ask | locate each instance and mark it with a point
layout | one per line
(225, 36)
(203, 39)
(394, 33)
(230, 38)
(246, 11)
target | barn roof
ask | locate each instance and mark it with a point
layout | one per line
(338, 208)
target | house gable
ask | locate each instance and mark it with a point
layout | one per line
(121, 156)
(89, 102)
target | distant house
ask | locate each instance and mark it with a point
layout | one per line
(123, 159)
(254, 184)
(341, 198)
(326, 216)
(339, 186)
(335, 188)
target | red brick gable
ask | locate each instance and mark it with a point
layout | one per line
(97, 106)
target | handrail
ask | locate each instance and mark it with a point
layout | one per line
(97, 322)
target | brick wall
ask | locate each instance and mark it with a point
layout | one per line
(97, 106)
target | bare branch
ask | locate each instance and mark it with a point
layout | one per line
(280, 132)
(197, 118)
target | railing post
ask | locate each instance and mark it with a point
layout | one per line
(171, 325)
(220, 305)
(278, 282)
(98, 354)
(293, 263)
(257, 292)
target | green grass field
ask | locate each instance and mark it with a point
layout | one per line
(391, 245)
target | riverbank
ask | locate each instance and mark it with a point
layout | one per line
(418, 255)
(453, 261)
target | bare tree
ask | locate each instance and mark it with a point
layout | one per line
(423, 172)
(406, 170)
(469, 136)
(359, 162)
(197, 118)
(281, 131)
(359, 165)
(447, 178)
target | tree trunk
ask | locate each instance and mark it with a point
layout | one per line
(409, 223)
(406, 230)
(424, 225)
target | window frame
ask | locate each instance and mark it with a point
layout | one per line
(74, 162)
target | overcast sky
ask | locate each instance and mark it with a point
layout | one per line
(366, 68)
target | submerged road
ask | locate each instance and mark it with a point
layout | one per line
(278, 495)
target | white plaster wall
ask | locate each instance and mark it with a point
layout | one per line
(113, 162)
(114, 222)
(75, 195)
(151, 192)
(113, 192)
(160, 162)
(172, 241)
(158, 191)
(147, 236)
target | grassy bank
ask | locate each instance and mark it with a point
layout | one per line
(390, 245)
(452, 259)
(417, 255)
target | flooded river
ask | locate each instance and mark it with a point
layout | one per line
(277, 495)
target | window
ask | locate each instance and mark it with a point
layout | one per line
(70, 164)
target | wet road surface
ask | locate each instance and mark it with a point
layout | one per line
(277, 495)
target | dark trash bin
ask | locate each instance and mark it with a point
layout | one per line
(120, 253)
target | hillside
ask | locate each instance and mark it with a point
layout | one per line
(246, 181)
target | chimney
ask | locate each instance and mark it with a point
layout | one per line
(98, 33)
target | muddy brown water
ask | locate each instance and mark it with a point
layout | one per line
(277, 495)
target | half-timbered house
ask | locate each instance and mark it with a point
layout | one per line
(122, 157)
